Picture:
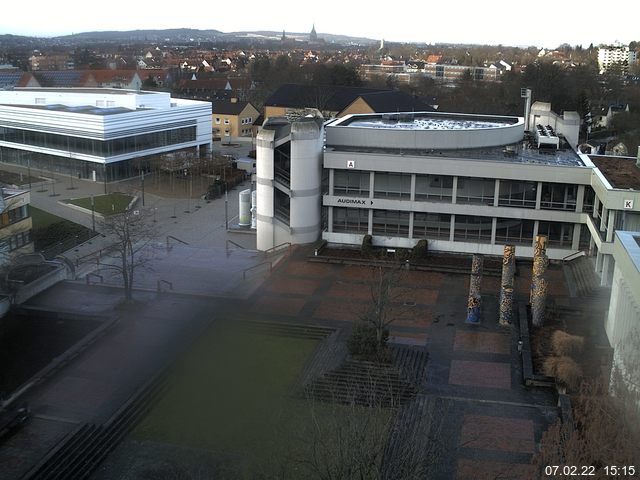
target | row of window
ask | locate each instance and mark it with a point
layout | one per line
(13, 216)
(470, 190)
(16, 241)
(466, 227)
(101, 148)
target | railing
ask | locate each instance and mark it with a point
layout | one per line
(277, 248)
(573, 256)
(245, 271)
(171, 237)
(89, 275)
(234, 244)
(165, 282)
(92, 254)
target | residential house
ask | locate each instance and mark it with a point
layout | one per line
(233, 118)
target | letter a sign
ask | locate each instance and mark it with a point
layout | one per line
(351, 164)
(628, 204)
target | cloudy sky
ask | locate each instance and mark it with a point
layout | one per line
(506, 22)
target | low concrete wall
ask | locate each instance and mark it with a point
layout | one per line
(48, 280)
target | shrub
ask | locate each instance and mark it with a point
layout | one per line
(367, 245)
(565, 369)
(419, 251)
(563, 343)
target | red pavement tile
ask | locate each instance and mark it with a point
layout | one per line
(279, 305)
(421, 296)
(421, 279)
(484, 342)
(357, 273)
(308, 269)
(484, 470)
(358, 291)
(341, 310)
(480, 374)
(497, 433)
(412, 317)
(293, 285)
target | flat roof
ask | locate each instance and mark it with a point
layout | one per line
(621, 172)
(108, 91)
(424, 122)
(84, 109)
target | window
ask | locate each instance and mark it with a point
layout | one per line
(218, 120)
(434, 187)
(514, 231)
(390, 223)
(392, 185)
(351, 182)
(226, 121)
(516, 193)
(558, 196)
(472, 228)
(431, 225)
(475, 190)
(350, 220)
(560, 234)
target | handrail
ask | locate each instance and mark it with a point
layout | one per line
(176, 239)
(244, 272)
(160, 282)
(91, 274)
(98, 252)
(273, 249)
(234, 243)
(573, 255)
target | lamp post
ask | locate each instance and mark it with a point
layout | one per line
(93, 213)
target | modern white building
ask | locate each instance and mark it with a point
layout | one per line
(609, 55)
(95, 133)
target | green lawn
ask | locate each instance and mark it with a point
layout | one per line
(232, 396)
(53, 235)
(105, 204)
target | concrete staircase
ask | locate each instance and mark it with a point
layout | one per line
(581, 277)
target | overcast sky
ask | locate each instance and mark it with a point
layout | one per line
(509, 22)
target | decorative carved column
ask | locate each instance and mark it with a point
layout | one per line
(474, 302)
(506, 285)
(538, 297)
(539, 303)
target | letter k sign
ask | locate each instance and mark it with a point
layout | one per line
(628, 204)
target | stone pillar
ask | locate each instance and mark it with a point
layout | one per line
(539, 303)
(540, 262)
(538, 298)
(506, 285)
(473, 305)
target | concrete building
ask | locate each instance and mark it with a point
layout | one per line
(623, 318)
(96, 133)
(609, 55)
(15, 224)
(467, 183)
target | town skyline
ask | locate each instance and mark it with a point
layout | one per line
(443, 23)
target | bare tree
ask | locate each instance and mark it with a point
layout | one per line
(132, 233)
(384, 308)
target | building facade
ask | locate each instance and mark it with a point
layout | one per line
(466, 183)
(233, 119)
(610, 55)
(15, 224)
(99, 134)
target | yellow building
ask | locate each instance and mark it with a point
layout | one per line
(233, 118)
(15, 224)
